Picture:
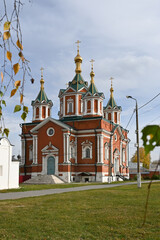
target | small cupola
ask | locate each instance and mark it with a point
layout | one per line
(93, 100)
(112, 111)
(41, 105)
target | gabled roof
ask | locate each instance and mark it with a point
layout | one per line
(63, 125)
(77, 83)
(41, 98)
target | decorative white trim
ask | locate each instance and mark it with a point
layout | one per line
(86, 145)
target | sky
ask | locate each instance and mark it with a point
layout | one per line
(122, 36)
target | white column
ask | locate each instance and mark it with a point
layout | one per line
(121, 153)
(46, 111)
(40, 112)
(99, 107)
(101, 148)
(64, 147)
(98, 149)
(85, 106)
(63, 106)
(76, 110)
(75, 149)
(35, 140)
(92, 106)
(67, 147)
(23, 151)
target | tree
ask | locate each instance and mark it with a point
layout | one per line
(13, 65)
(145, 159)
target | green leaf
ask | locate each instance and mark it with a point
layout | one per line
(1, 94)
(6, 132)
(4, 103)
(23, 116)
(17, 108)
(25, 109)
(150, 137)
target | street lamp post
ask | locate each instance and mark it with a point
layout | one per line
(137, 145)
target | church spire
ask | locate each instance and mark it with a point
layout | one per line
(42, 80)
(78, 59)
(111, 89)
(92, 74)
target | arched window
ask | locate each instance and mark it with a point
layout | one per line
(115, 117)
(106, 151)
(70, 106)
(89, 106)
(31, 152)
(96, 106)
(72, 152)
(48, 112)
(37, 112)
(109, 116)
(87, 153)
(43, 112)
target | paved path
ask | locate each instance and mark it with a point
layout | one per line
(17, 195)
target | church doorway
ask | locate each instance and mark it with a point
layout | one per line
(51, 166)
(116, 165)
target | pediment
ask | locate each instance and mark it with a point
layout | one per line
(70, 90)
(49, 148)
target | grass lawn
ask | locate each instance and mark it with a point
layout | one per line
(114, 213)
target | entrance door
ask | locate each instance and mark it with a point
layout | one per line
(51, 166)
(116, 166)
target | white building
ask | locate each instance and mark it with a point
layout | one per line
(9, 169)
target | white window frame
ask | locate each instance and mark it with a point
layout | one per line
(106, 147)
(123, 155)
(86, 145)
(31, 153)
(70, 102)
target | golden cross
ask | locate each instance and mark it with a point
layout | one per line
(42, 72)
(78, 42)
(92, 61)
(111, 80)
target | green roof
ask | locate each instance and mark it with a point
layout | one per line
(112, 103)
(42, 97)
(77, 82)
(92, 89)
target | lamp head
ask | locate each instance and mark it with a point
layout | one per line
(128, 96)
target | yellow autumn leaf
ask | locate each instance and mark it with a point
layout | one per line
(9, 55)
(13, 92)
(1, 76)
(21, 98)
(7, 26)
(6, 35)
(19, 44)
(16, 68)
(17, 83)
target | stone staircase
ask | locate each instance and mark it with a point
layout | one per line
(44, 179)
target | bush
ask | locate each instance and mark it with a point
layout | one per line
(155, 177)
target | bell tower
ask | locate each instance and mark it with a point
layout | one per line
(41, 105)
(112, 111)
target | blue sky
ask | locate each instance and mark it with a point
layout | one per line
(123, 38)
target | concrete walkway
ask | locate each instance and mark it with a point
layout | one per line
(17, 195)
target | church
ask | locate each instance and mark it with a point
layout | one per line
(87, 143)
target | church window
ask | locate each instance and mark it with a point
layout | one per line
(109, 116)
(72, 152)
(31, 152)
(48, 112)
(70, 106)
(50, 132)
(123, 155)
(106, 151)
(37, 112)
(43, 112)
(96, 106)
(87, 153)
(115, 117)
(86, 149)
(89, 106)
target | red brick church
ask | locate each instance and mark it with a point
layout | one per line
(86, 143)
